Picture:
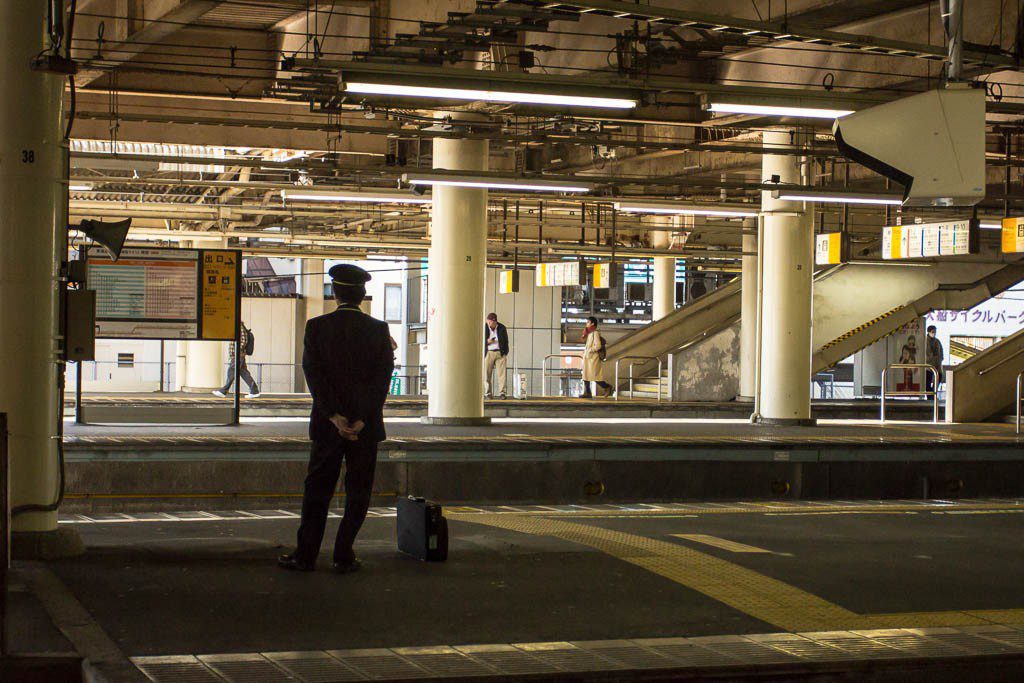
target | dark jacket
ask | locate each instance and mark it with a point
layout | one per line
(348, 361)
(502, 338)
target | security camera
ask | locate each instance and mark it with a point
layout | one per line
(933, 144)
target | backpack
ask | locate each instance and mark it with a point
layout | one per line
(250, 343)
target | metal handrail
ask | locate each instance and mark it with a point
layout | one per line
(544, 374)
(1020, 378)
(913, 366)
(1005, 360)
(632, 362)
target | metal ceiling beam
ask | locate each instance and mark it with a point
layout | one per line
(766, 30)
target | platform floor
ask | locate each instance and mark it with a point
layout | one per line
(743, 589)
(519, 433)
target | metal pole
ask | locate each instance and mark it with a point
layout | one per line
(5, 537)
(882, 417)
(161, 365)
(935, 393)
(237, 414)
(1019, 376)
(617, 378)
(954, 32)
(79, 417)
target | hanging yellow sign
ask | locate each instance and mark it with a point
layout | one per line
(508, 282)
(1013, 235)
(220, 284)
(828, 249)
(602, 275)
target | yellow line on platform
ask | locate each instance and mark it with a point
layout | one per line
(769, 600)
(722, 543)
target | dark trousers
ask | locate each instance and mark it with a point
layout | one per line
(243, 372)
(586, 388)
(325, 460)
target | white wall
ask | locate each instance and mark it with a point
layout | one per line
(105, 376)
(275, 325)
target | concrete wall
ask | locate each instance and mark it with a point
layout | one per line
(105, 375)
(986, 384)
(709, 371)
(533, 318)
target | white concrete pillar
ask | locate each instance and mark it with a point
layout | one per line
(664, 281)
(748, 315)
(180, 364)
(311, 285)
(33, 221)
(457, 264)
(204, 360)
(788, 266)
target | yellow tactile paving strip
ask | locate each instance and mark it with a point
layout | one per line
(769, 600)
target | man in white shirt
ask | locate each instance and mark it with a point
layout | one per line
(495, 355)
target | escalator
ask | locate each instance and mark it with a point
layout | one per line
(985, 386)
(855, 305)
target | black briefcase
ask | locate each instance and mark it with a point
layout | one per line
(422, 529)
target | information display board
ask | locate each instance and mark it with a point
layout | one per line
(926, 240)
(602, 275)
(830, 248)
(161, 293)
(559, 274)
(1013, 235)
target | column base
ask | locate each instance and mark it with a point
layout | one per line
(455, 421)
(46, 545)
(786, 421)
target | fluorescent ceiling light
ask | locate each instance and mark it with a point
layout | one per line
(682, 209)
(369, 197)
(772, 110)
(802, 196)
(487, 95)
(80, 187)
(521, 184)
(987, 225)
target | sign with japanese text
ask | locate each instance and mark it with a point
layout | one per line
(828, 249)
(1013, 235)
(602, 275)
(559, 274)
(220, 293)
(165, 293)
(508, 282)
(927, 240)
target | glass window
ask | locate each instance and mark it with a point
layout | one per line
(393, 303)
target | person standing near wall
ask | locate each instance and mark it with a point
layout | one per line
(495, 356)
(348, 360)
(593, 360)
(247, 342)
(934, 355)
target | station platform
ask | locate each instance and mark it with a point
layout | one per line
(564, 460)
(166, 406)
(740, 591)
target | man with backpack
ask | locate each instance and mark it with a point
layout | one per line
(248, 343)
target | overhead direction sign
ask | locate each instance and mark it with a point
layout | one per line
(508, 282)
(928, 240)
(1013, 235)
(162, 293)
(831, 248)
(559, 274)
(602, 275)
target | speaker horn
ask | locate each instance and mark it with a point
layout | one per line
(110, 236)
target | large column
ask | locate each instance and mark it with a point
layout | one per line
(748, 315)
(664, 282)
(33, 223)
(204, 360)
(455, 310)
(786, 281)
(311, 285)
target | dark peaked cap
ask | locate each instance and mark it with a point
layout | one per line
(347, 274)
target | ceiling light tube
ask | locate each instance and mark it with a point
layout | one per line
(395, 90)
(774, 110)
(683, 209)
(989, 225)
(368, 197)
(804, 196)
(79, 187)
(496, 183)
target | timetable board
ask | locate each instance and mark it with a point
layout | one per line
(162, 293)
(927, 240)
(559, 274)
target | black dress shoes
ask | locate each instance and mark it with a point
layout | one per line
(352, 565)
(293, 563)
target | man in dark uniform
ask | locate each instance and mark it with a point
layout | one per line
(348, 362)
